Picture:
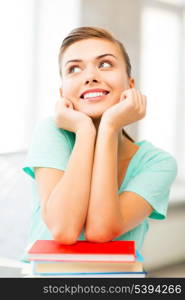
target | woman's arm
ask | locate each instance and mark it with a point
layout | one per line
(65, 195)
(109, 214)
(104, 217)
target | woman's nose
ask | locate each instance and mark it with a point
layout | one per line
(91, 76)
(90, 80)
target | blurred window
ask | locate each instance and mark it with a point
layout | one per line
(162, 77)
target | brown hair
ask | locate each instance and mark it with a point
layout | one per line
(83, 33)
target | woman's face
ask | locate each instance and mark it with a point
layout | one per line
(93, 75)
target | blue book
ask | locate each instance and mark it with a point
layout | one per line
(139, 257)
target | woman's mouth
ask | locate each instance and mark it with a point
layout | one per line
(89, 97)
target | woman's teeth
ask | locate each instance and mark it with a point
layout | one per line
(94, 95)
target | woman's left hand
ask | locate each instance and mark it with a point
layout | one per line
(131, 108)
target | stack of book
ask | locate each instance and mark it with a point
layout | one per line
(85, 259)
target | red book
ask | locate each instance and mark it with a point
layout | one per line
(83, 251)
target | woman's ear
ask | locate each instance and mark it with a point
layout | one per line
(60, 90)
(131, 82)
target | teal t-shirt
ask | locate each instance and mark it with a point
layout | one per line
(150, 174)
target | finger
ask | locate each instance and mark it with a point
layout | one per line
(60, 104)
(125, 94)
(139, 101)
(136, 100)
(142, 100)
(145, 104)
(122, 97)
(67, 103)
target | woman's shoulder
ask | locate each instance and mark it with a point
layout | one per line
(47, 123)
(151, 150)
(47, 126)
(49, 147)
(151, 154)
(44, 124)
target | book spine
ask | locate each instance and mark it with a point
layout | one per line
(89, 273)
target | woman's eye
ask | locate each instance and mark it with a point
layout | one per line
(74, 69)
(105, 64)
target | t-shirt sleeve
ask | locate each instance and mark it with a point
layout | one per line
(50, 147)
(153, 183)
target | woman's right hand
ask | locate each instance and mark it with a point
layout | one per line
(69, 119)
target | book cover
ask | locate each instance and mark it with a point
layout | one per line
(95, 275)
(60, 267)
(83, 251)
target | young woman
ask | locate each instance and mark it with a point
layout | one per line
(92, 181)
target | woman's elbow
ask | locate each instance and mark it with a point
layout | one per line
(98, 237)
(101, 236)
(67, 239)
(63, 236)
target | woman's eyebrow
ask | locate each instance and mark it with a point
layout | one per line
(73, 60)
(106, 54)
(98, 57)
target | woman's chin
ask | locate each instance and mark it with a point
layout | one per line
(94, 115)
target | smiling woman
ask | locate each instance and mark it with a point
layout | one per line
(106, 59)
(92, 181)
(98, 71)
